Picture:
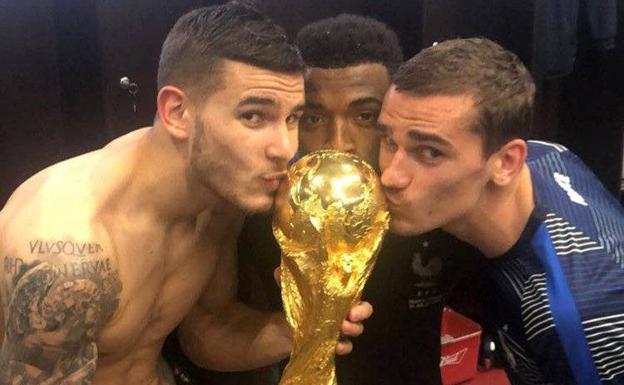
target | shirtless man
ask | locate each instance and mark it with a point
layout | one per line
(106, 253)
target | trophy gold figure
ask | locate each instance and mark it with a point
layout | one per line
(330, 218)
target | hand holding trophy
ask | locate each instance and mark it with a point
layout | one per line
(330, 218)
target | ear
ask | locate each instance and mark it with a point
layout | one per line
(174, 112)
(508, 161)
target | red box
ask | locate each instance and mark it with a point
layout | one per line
(460, 338)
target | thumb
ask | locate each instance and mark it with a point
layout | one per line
(277, 275)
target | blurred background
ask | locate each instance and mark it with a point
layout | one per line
(61, 62)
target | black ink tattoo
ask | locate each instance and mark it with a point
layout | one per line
(79, 249)
(54, 313)
(84, 267)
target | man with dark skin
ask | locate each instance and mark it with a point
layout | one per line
(350, 60)
(454, 156)
(106, 253)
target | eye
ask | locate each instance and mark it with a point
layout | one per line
(367, 117)
(252, 118)
(293, 119)
(428, 154)
(312, 120)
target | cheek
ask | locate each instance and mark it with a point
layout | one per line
(430, 186)
(293, 137)
(368, 149)
(449, 192)
(369, 141)
(238, 155)
(310, 140)
(384, 157)
(218, 140)
(460, 193)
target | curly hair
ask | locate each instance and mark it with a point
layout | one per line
(348, 40)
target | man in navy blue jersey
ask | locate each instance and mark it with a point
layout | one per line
(454, 156)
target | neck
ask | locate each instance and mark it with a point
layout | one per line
(500, 217)
(156, 180)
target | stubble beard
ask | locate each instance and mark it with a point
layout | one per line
(203, 169)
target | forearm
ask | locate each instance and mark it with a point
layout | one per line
(237, 338)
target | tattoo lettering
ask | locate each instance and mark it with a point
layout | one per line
(70, 248)
(12, 264)
(85, 267)
(55, 311)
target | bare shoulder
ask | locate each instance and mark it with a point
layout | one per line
(60, 286)
(55, 186)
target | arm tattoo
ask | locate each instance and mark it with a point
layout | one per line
(55, 309)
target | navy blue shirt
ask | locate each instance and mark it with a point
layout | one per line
(585, 225)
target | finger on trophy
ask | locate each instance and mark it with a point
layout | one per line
(277, 275)
(351, 329)
(360, 312)
(344, 347)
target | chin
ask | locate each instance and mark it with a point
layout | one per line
(401, 228)
(405, 227)
(257, 205)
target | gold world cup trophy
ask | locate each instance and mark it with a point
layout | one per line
(330, 218)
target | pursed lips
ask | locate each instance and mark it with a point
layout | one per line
(391, 201)
(274, 176)
(273, 180)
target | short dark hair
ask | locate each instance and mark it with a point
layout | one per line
(501, 86)
(347, 40)
(238, 31)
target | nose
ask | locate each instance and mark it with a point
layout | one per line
(341, 137)
(395, 175)
(283, 145)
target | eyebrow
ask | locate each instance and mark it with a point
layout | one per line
(256, 100)
(299, 107)
(416, 135)
(354, 103)
(267, 102)
(425, 137)
(316, 106)
(365, 100)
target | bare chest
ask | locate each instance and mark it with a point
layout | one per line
(161, 281)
